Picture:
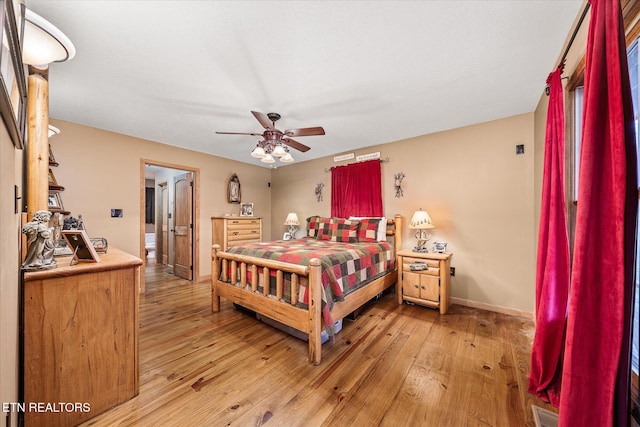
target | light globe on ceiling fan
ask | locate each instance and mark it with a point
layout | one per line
(276, 143)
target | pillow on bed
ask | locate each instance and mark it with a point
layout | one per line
(344, 230)
(312, 225)
(368, 230)
(382, 226)
(324, 229)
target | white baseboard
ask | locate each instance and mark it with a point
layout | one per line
(489, 307)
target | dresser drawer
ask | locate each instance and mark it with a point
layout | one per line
(243, 223)
(243, 234)
(247, 239)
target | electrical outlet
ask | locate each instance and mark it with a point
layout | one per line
(453, 271)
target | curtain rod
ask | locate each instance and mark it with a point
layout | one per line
(571, 40)
(385, 160)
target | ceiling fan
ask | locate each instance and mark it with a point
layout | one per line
(276, 142)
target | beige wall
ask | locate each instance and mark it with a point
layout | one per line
(478, 192)
(100, 170)
(10, 235)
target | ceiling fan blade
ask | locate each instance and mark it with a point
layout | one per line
(263, 119)
(295, 144)
(305, 131)
(238, 133)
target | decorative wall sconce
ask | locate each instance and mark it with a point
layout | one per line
(318, 191)
(398, 183)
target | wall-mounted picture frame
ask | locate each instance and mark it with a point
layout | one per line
(246, 209)
(52, 178)
(52, 159)
(13, 88)
(55, 202)
(233, 189)
(80, 245)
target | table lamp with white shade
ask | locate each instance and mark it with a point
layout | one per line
(292, 221)
(421, 222)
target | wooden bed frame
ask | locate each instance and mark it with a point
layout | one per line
(305, 320)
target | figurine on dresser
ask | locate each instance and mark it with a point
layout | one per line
(41, 247)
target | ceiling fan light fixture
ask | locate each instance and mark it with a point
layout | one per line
(258, 152)
(287, 158)
(278, 151)
(268, 159)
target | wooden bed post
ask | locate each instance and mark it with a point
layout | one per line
(315, 311)
(215, 274)
(397, 236)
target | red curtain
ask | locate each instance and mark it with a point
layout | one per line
(552, 272)
(356, 190)
(595, 377)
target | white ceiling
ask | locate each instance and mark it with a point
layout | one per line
(369, 72)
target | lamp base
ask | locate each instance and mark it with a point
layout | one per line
(421, 247)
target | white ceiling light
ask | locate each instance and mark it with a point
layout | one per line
(268, 159)
(53, 131)
(258, 152)
(287, 158)
(278, 151)
(44, 43)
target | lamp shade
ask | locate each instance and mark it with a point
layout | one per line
(292, 219)
(44, 43)
(258, 152)
(268, 159)
(421, 220)
(287, 158)
(278, 151)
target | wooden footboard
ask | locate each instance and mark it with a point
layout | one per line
(246, 293)
(244, 290)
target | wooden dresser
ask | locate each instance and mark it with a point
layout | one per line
(228, 231)
(80, 332)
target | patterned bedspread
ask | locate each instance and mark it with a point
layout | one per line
(345, 266)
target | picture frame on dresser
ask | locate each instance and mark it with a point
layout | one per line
(246, 209)
(13, 90)
(81, 246)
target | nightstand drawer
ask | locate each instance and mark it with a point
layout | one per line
(433, 266)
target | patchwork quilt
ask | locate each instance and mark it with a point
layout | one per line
(345, 266)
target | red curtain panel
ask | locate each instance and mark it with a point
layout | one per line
(356, 190)
(553, 265)
(595, 379)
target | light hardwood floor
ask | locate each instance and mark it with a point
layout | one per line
(393, 366)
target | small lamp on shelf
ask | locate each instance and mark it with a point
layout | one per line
(292, 221)
(421, 222)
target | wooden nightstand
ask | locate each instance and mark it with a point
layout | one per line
(428, 287)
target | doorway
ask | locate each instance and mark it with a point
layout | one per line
(169, 239)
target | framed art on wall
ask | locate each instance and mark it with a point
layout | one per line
(13, 89)
(233, 189)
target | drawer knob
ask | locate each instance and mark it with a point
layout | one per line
(416, 286)
(235, 233)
